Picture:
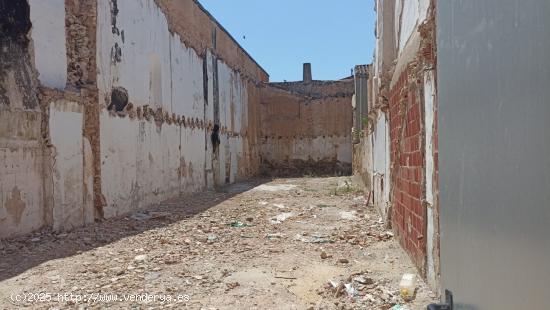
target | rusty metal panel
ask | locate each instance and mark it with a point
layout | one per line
(494, 134)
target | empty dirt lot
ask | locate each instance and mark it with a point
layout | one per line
(308, 243)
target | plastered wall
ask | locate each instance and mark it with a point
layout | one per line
(165, 76)
(106, 107)
(403, 131)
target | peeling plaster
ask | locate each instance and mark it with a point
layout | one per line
(15, 205)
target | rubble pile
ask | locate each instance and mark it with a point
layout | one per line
(286, 244)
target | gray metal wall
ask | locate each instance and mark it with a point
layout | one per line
(494, 131)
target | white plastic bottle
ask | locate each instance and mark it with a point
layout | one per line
(407, 286)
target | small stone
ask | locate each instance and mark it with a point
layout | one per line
(140, 258)
(324, 255)
(232, 285)
(343, 261)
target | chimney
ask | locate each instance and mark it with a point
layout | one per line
(307, 72)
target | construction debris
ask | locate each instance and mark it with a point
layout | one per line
(219, 259)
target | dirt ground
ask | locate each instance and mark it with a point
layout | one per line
(308, 243)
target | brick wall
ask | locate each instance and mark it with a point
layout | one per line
(305, 128)
(408, 165)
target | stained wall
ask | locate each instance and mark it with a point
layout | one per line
(306, 127)
(107, 107)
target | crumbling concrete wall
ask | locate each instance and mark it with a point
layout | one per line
(306, 127)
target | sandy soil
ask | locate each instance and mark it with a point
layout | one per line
(265, 244)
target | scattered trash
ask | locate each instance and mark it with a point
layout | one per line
(281, 217)
(352, 292)
(348, 215)
(274, 187)
(238, 224)
(314, 239)
(285, 277)
(385, 235)
(407, 286)
(141, 216)
(274, 236)
(263, 203)
(363, 280)
(278, 205)
(337, 287)
(232, 285)
(344, 184)
(400, 307)
(212, 238)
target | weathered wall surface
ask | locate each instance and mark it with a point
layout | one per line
(97, 120)
(203, 32)
(71, 208)
(175, 95)
(306, 127)
(21, 152)
(402, 128)
(48, 37)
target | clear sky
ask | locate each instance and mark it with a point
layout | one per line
(334, 35)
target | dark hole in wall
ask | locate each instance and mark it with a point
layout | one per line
(119, 99)
(15, 21)
(215, 137)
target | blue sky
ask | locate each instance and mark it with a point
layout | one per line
(282, 34)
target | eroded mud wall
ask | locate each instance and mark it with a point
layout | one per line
(306, 128)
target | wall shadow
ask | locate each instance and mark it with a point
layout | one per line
(22, 253)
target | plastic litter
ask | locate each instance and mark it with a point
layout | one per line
(400, 307)
(274, 236)
(407, 286)
(281, 217)
(352, 292)
(238, 224)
